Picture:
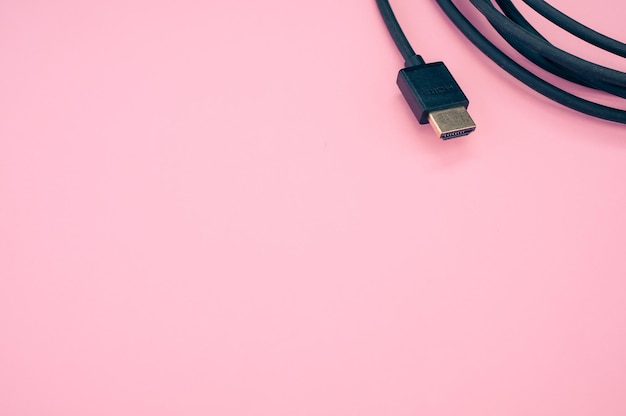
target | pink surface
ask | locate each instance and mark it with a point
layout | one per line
(227, 209)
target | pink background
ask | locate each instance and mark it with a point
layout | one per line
(226, 208)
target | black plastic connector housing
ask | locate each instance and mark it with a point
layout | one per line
(428, 88)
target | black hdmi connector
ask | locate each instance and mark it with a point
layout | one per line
(436, 98)
(429, 89)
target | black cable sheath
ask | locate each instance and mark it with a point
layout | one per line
(402, 43)
(531, 54)
(577, 29)
(518, 32)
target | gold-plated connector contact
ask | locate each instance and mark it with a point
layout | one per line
(451, 123)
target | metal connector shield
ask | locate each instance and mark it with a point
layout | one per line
(451, 123)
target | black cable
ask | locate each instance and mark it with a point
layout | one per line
(402, 43)
(575, 28)
(531, 54)
(518, 32)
